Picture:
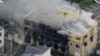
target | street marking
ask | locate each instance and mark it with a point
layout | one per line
(88, 8)
(96, 4)
(93, 6)
(97, 17)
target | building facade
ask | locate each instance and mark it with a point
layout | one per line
(85, 44)
(1, 39)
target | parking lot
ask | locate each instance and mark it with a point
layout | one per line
(95, 8)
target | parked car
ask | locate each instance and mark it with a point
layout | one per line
(97, 1)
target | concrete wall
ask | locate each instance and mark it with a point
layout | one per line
(82, 49)
(73, 48)
(1, 37)
(86, 50)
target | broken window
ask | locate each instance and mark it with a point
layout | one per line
(85, 44)
(77, 46)
(85, 36)
(77, 38)
(91, 38)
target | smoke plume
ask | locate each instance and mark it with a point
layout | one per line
(46, 12)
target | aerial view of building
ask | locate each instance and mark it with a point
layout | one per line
(49, 28)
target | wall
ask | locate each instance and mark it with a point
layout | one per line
(1, 37)
(90, 46)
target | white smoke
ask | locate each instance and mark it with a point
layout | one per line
(45, 11)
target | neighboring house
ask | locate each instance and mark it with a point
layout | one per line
(1, 39)
(37, 51)
(76, 33)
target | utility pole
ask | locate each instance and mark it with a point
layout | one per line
(12, 33)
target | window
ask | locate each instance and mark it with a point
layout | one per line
(65, 13)
(77, 46)
(70, 43)
(0, 41)
(91, 39)
(85, 36)
(77, 38)
(0, 34)
(85, 44)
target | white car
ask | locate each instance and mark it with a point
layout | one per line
(1, 1)
(97, 1)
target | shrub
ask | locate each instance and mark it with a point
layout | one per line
(85, 2)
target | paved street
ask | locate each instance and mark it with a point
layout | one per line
(92, 7)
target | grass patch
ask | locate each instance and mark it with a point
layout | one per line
(85, 2)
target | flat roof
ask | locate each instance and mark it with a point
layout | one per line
(36, 49)
(69, 8)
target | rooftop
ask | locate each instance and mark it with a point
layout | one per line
(37, 49)
(69, 8)
(78, 28)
